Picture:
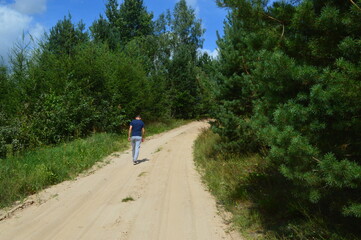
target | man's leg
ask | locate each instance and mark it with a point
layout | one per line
(132, 141)
(136, 145)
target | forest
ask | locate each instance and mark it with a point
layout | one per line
(286, 86)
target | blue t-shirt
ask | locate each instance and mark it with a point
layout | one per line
(137, 126)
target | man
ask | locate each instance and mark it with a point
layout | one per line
(136, 135)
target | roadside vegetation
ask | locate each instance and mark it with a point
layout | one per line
(261, 203)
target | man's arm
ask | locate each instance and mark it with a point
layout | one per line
(143, 134)
(130, 132)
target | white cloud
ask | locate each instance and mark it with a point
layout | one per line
(213, 54)
(30, 7)
(37, 32)
(13, 25)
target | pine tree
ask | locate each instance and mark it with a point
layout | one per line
(123, 23)
(65, 36)
(103, 32)
(290, 84)
(186, 39)
(134, 20)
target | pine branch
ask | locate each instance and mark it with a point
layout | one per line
(355, 4)
(317, 160)
(280, 22)
(244, 65)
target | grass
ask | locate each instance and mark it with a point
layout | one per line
(224, 175)
(158, 150)
(258, 197)
(142, 174)
(128, 199)
(32, 171)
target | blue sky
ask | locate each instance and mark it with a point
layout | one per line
(36, 16)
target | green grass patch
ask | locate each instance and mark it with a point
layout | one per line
(32, 171)
(158, 150)
(142, 174)
(128, 199)
(258, 197)
(224, 174)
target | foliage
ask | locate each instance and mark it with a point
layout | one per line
(93, 90)
(72, 84)
(290, 89)
(153, 53)
(170, 57)
(187, 30)
(65, 36)
(134, 20)
(124, 22)
(5, 91)
(186, 38)
(103, 32)
(167, 49)
(259, 199)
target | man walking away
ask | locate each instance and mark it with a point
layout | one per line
(136, 135)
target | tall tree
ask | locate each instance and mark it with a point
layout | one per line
(112, 12)
(186, 37)
(187, 29)
(134, 20)
(65, 36)
(123, 23)
(103, 32)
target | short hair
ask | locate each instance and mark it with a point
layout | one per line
(138, 116)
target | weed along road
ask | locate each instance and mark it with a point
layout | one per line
(161, 198)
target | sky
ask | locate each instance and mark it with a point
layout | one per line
(34, 17)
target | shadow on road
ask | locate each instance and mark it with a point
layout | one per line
(143, 160)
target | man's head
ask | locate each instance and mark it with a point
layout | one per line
(138, 117)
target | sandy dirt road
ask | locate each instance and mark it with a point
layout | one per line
(170, 202)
